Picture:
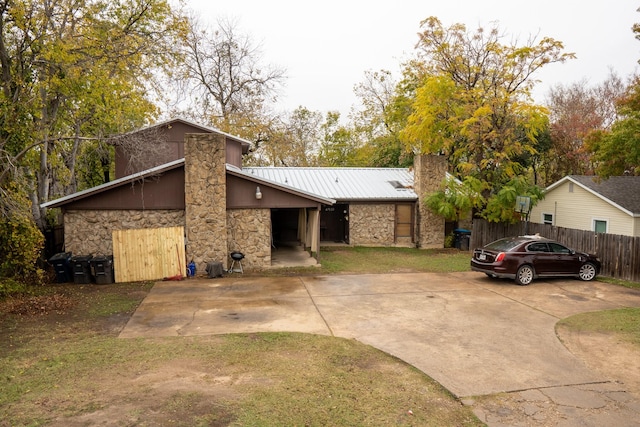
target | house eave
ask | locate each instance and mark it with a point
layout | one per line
(410, 199)
(235, 171)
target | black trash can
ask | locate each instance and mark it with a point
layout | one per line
(462, 238)
(60, 263)
(102, 268)
(81, 268)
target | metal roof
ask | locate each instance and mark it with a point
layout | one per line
(374, 184)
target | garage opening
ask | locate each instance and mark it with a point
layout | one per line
(290, 237)
(284, 225)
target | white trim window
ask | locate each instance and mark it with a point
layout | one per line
(547, 218)
(600, 225)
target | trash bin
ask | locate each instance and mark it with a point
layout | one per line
(102, 268)
(81, 269)
(462, 238)
(60, 263)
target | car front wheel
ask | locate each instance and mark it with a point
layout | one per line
(524, 276)
(587, 272)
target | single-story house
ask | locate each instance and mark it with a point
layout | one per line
(196, 180)
(588, 203)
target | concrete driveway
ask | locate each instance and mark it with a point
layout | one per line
(474, 335)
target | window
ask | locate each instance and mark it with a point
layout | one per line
(571, 187)
(547, 218)
(537, 247)
(600, 225)
(559, 248)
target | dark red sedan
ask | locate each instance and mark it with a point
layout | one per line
(526, 258)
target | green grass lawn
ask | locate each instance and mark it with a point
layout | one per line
(624, 323)
(339, 259)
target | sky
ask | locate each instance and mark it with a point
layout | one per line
(326, 46)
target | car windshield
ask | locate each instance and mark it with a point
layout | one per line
(503, 245)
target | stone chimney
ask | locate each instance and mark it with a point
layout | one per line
(429, 172)
(205, 199)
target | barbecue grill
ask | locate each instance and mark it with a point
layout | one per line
(236, 258)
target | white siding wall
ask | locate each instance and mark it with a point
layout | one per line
(578, 209)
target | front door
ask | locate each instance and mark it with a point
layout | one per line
(334, 224)
(404, 223)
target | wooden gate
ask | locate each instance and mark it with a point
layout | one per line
(148, 254)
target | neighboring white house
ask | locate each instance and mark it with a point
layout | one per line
(587, 203)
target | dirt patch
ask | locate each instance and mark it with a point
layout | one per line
(176, 393)
(607, 354)
(38, 305)
(609, 403)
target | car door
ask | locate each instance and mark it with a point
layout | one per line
(565, 260)
(540, 256)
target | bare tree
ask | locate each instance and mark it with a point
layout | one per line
(294, 140)
(226, 79)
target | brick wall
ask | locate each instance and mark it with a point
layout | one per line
(249, 232)
(205, 199)
(89, 232)
(372, 225)
(429, 172)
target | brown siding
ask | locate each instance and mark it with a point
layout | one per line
(172, 148)
(241, 193)
(165, 191)
(234, 153)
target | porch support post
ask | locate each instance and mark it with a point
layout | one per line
(314, 228)
(302, 227)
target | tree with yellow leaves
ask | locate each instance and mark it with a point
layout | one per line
(472, 100)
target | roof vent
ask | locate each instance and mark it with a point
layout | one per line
(397, 185)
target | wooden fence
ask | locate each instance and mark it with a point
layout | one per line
(148, 254)
(620, 255)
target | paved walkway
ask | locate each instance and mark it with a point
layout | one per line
(473, 335)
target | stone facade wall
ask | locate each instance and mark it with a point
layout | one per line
(249, 232)
(89, 232)
(205, 199)
(372, 225)
(429, 172)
